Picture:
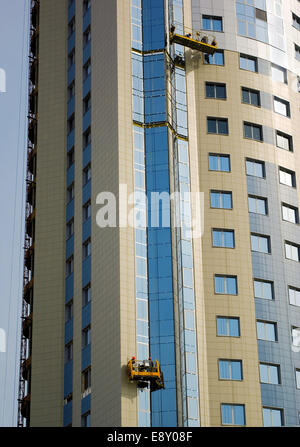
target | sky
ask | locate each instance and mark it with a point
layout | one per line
(14, 19)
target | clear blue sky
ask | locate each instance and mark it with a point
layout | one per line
(13, 105)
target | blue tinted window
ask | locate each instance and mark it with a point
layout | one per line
(253, 131)
(223, 238)
(233, 414)
(220, 199)
(214, 59)
(217, 125)
(272, 417)
(263, 289)
(226, 285)
(212, 23)
(219, 162)
(230, 369)
(214, 90)
(248, 63)
(228, 327)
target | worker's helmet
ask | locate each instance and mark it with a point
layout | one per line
(133, 357)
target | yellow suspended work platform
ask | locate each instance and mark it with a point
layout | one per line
(195, 40)
(144, 373)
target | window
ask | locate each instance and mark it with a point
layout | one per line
(287, 177)
(87, 36)
(69, 311)
(228, 326)
(212, 23)
(71, 91)
(71, 59)
(263, 289)
(86, 419)
(71, 27)
(296, 21)
(70, 158)
(255, 168)
(70, 228)
(87, 138)
(260, 243)
(248, 63)
(68, 352)
(298, 379)
(221, 199)
(86, 5)
(230, 370)
(284, 141)
(278, 73)
(294, 296)
(296, 336)
(269, 373)
(290, 213)
(272, 417)
(258, 205)
(214, 59)
(233, 414)
(281, 106)
(86, 381)
(69, 266)
(87, 69)
(217, 126)
(253, 131)
(223, 238)
(87, 102)
(252, 22)
(70, 193)
(266, 331)
(87, 174)
(250, 96)
(86, 295)
(86, 249)
(71, 124)
(86, 337)
(218, 162)
(86, 211)
(297, 52)
(225, 285)
(292, 251)
(214, 90)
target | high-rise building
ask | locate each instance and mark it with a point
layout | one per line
(162, 96)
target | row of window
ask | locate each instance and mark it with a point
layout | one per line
(266, 330)
(259, 242)
(252, 22)
(227, 285)
(256, 205)
(86, 341)
(234, 414)
(249, 96)
(215, 23)
(270, 373)
(252, 131)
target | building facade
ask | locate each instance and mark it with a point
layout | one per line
(117, 106)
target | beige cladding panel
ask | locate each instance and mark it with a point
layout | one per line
(209, 260)
(49, 277)
(113, 279)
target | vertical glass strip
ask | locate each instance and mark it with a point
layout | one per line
(185, 264)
